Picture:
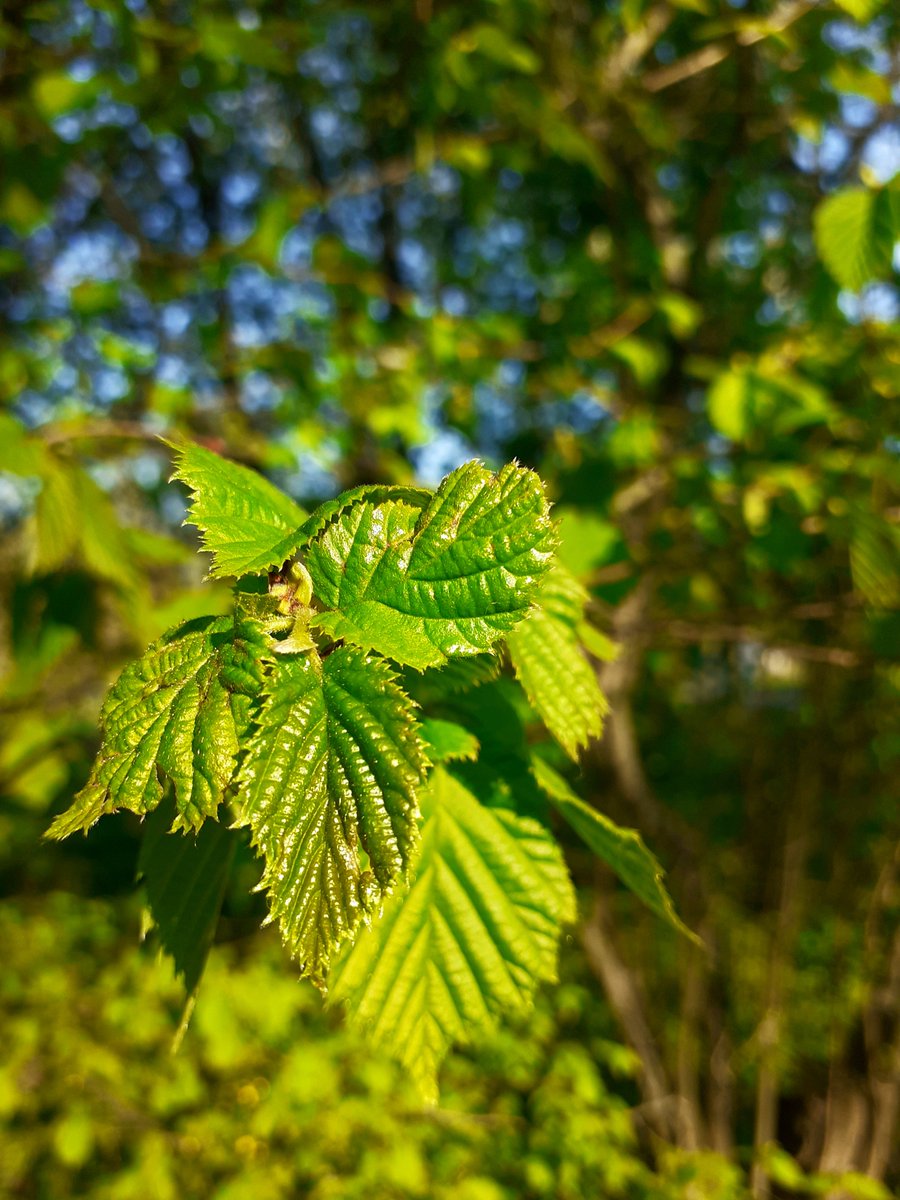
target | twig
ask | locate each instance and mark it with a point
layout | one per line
(627, 1003)
(796, 847)
(54, 435)
(709, 56)
(693, 1003)
(884, 1073)
(834, 656)
(623, 60)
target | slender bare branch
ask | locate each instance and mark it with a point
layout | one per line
(796, 848)
(626, 1001)
(710, 55)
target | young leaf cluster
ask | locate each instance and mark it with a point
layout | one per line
(424, 840)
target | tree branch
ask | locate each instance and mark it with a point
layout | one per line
(627, 1003)
(709, 56)
(796, 848)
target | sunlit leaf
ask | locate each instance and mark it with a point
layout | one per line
(175, 713)
(469, 942)
(420, 585)
(248, 525)
(765, 398)
(550, 664)
(446, 740)
(862, 10)
(332, 774)
(856, 230)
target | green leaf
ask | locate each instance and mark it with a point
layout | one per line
(20, 454)
(185, 876)
(461, 674)
(587, 540)
(549, 662)
(446, 740)
(495, 44)
(420, 586)
(73, 517)
(875, 558)
(248, 524)
(597, 644)
(862, 10)
(56, 526)
(178, 712)
(495, 714)
(621, 849)
(856, 230)
(854, 77)
(334, 768)
(470, 941)
(766, 398)
(103, 546)
(372, 493)
(55, 92)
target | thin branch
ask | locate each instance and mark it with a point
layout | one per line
(884, 1011)
(693, 1004)
(721, 1099)
(692, 64)
(54, 435)
(627, 1003)
(626, 57)
(617, 679)
(885, 1086)
(796, 847)
(834, 656)
(709, 56)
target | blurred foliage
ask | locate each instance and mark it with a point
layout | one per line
(278, 1099)
(650, 249)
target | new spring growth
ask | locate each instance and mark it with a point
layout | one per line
(292, 587)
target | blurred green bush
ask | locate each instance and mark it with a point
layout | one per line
(268, 1096)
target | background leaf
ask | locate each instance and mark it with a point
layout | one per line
(856, 230)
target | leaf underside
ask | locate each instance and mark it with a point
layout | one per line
(471, 939)
(332, 769)
(184, 877)
(447, 740)
(460, 675)
(550, 663)
(621, 849)
(420, 584)
(177, 712)
(247, 524)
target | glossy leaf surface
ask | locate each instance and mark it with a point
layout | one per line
(175, 713)
(420, 586)
(332, 773)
